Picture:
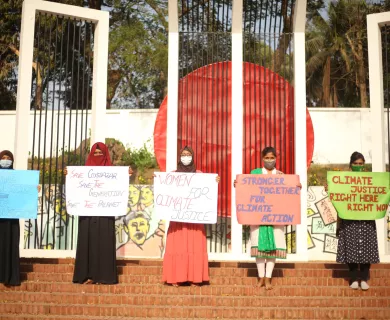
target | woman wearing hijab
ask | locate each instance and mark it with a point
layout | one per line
(9, 237)
(185, 258)
(96, 251)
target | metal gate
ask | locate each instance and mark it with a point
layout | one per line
(60, 100)
(268, 90)
(385, 32)
(204, 110)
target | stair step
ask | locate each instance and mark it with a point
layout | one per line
(377, 280)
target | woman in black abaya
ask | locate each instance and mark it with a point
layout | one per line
(9, 237)
(96, 251)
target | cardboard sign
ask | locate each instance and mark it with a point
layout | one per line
(186, 197)
(19, 194)
(359, 195)
(268, 199)
(97, 191)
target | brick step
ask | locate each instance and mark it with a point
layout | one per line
(279, 271)
(208, 290)
(212, 264)
(217, 312)
(266, 301)
(214, 272)
(376, 279)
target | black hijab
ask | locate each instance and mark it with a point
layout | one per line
(9, 154)
(191, 167)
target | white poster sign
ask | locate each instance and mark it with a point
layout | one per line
(186, 197)
(97, 191)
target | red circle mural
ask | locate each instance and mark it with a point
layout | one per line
(205, 122)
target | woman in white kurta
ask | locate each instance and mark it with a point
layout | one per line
(267, 242)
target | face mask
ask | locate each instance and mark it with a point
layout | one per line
(269, 164)
(357, 168)
(5, 163)
(186, 160)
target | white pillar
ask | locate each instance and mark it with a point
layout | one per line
(379, 133)
(173, 85)
(237, 118)
(376, 94)
(24, 85)
(22, 129)
(99, 82)
(300, 122)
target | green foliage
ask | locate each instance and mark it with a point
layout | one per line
(336, 55)
(316, 175)
(141, 159)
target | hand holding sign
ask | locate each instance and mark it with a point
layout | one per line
(186, 197)
(268, 199)
(359, 195)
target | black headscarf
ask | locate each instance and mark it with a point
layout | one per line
(7, 153)
(191, 167)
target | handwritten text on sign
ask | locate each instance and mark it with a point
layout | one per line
(19, 194)
(268, 199)
(186, 197)
(359, 195)
(97, 191)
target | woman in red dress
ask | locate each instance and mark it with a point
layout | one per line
(185, 258)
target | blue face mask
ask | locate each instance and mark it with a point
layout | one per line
(5, 163)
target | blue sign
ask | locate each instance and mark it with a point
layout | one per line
(19, 194)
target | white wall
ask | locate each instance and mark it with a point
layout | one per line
(340, 131)
(131, 127)
(337, 131)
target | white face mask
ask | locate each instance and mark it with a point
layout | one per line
(186, 160)
(5, 163)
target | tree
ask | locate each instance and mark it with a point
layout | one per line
(337, 61)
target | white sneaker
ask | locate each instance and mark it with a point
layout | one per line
(364, 285)
(354, 285)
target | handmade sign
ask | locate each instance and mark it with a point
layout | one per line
(359, 195)
(318, 227)
(268, 199)
(19, 194)
(97, 191)
(186, 197)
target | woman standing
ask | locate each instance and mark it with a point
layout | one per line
(96, 250)
(268, 242)
(9, 237)
(185, 258)
(358, 243)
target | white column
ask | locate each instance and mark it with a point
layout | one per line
(377, 110)
(300, 122)
(173, 85)
(99, 82)
(237, 118)
(376, 94)
(24, 85)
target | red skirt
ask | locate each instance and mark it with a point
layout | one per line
(185, 258)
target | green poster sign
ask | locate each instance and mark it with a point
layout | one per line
(359, 195)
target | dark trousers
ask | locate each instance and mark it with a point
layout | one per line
(364, 271)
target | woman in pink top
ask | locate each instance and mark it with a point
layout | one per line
(185, 258)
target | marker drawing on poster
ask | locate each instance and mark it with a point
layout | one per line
(186, 197)
(97, 191)
(268, 199)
